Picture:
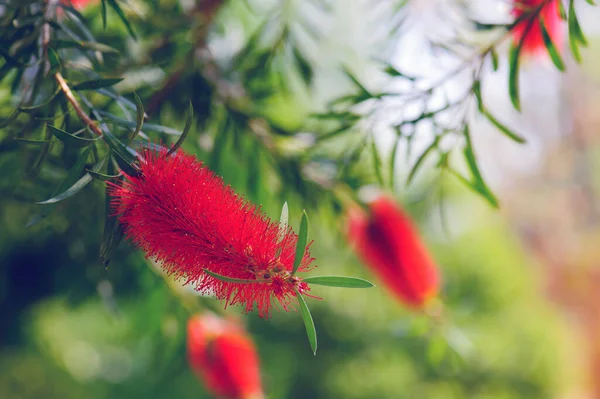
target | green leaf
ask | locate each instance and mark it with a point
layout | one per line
(562, 12)
(478, 97)
(53, 58)
(139, 120)
(301, 244)
(339, 281)
(102, 176)
(356, 82)
(494, 56)
(309, 324)
(591, 2)
(103, 11)
(552, 50)
(231, 279)
(376, 161)
(513, 75)
(419, 162)
(32, 141)
(42, 104)
(304, 66)
(186, 130)
(70, 139)
(75, 188)
(95, 84)
(121, 14)
(283, 220)
(93, 46)
(113, 231)
(478, 184)
(575, 33)
(509, 133)
(393, 157)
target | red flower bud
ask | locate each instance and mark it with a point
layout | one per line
(528, 29)
(223, 356)
(387, 242)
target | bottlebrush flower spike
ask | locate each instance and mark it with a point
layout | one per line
(224, 357)
(528, 31)
(387, 242)
(182, 215)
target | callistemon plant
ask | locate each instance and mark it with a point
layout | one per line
(184, 216)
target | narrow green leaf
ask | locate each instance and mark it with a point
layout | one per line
(96, 84)
(309, 324)
(284, 214)
(75, 188)
(139, 120)
(101, 176)
(42, 104)
(93, 46)
(70, 139)
(552, 50)
(121, 14)
(113, 231)
(301, 244)
(576, 36)
(478, 183)
(494, 56)
(304, 66)
(393, 157)
(574, 26)
(376, 161)
(339, 281)
(103, 11)
(186, 129)
(562, 12)
(53, 58)
(478, 97)
(419, 162)
(356, 82)
(591, 2)
(231, 279)
(513, 75)
(509, 133)
(32, 141)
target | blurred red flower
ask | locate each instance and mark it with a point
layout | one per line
(529, 13)
(387, 242)
(223, 355)
(183, 215)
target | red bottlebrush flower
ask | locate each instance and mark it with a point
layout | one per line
(222, 354)
(387, 242)
(183, 215)
(529, 13)
(78, 4)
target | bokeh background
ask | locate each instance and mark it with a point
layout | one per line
(520, 282)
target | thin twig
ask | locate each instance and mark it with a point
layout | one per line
(64, 87)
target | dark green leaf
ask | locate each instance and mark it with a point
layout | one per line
(376, 161)
(42, 104)
(304, 66)
(103, 11)
(186, 130)
(301, 244)
(494, 56)
(139, 121)
(339, 281)
(93, 46)
(121, 14)
(53, 58)
(393, 156)
(75, 188)
(96, 84)
(477, 183)
(478, 97)
(552, 50)
(309, 324)
(562, 12)
(70, 139)
(113, 231)
(231, 279)
(513, 75)
(509, 133)
(420, 160)
(102, 176)
(576, 36)
(360, 86)
(32, 141)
